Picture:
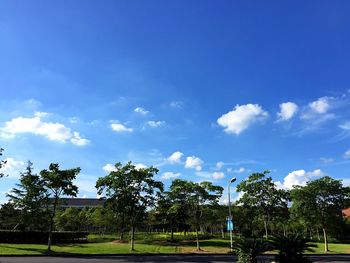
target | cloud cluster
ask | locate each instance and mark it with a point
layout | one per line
(287, 111)
(35, 125)
(299, 177)
(118, 127)
(175, 157)
(170, 175)
(241, 117)
(12, 166)
(193, 162)
(155, 124)
(141, 111)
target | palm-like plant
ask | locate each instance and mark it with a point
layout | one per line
(291, 248)
(248, 249)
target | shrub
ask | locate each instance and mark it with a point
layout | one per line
(291, 248)
(248, 249)
(38, 237)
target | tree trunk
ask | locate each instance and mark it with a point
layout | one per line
(172, 234)
(132, 238)
(49, 241)
(265, 226)
(325, 240)
(318, 234)
(198, 248)
(222, 231)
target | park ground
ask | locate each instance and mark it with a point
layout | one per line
(144, 244)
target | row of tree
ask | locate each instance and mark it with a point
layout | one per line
(134, 199)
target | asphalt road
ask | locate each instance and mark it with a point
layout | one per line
(155, 258)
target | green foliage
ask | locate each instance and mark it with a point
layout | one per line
(130, 191)
(261, 193)
(30, 198)
(9, 216)
(248, 249)
(320, 203)
(56, 183)
(193, 197)
(291, 248)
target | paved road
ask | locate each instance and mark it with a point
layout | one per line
(149, 259)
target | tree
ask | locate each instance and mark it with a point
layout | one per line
(2, 162)
(56, 183)
(325, 198)
(30, 198)
(131, 191)
(261, 193)
(196, 195)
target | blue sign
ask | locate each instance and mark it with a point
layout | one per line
(229, 225)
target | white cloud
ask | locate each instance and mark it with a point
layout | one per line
(78, 140)
(240, 170)
(345, 125)
(175, 157)
(141, 111)
(347, 154)
(109, 168)
(118, 127)
(35, 125)
(219, 165)
(299, 177)
(241, 117)
(139, 166)
(287, 111)
(218, 175)
(155, 124)
(11, 165)
(194, 162)
(320, 106)
(170, 175)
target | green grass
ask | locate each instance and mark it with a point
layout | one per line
(146, 243)
(333, 248)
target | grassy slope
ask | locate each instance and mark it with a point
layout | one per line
(149, 244)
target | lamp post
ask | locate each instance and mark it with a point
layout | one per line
(229, 210)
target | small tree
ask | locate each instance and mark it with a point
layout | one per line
(2, 162)
(196, 196)
(57, 183)
(131, 191)
(325, 198)
(261, 193)
(30, 197)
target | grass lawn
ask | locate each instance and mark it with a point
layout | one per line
(155, 243)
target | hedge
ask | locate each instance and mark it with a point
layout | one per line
(37, 237)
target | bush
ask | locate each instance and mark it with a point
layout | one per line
(248, 249)
(37, 237)
(291, 248)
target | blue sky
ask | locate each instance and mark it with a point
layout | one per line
(203, 90)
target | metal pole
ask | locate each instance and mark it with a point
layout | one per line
(229, 214)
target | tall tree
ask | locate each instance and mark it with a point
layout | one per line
(2, 162)
(131, 191)
(30, 197)
(196, 196)
(261, 193)
(57, 183)
(325, 198)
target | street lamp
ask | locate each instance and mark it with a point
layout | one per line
(229, 211)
